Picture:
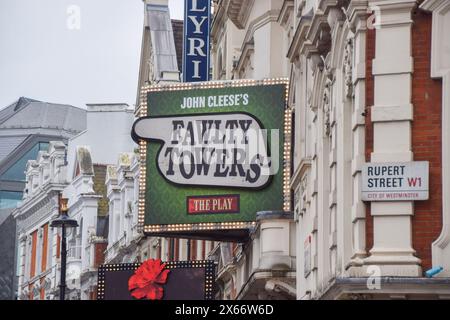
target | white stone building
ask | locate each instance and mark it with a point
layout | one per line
(37, 244)
(248, 42)
(160, 63)
(364, 87)
(79, 172)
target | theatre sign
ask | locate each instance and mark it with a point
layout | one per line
(212, 154)
(402, 181)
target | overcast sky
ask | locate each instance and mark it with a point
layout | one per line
(72, 51)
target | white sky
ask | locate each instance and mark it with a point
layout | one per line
(42, 58)
(176, 8)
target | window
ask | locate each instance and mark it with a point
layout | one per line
(44, 247)
(9, 199)
(33, 254)
(17, 171)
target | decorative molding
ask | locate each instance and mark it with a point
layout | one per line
(239, 11)
(348, 68)
(286, 10)
(356, 13)
(328, 98)
(245, 58)
(299, 37)
(261, 21)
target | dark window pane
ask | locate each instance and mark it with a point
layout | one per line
(9, 199)
(17, 171)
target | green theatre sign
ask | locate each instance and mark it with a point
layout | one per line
(212, 155)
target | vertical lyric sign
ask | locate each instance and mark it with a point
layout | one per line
(197, 22)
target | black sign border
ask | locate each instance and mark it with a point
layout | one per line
(215, 231)
(209, 266)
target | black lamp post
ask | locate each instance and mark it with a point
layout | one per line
(63, 221)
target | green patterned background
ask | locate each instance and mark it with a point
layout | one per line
(166, 202)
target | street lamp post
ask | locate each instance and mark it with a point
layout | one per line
(63, 221)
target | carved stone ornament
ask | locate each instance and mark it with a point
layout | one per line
(327, 107)
(348, 68)
(309, 97)
(304, 183)
(151, 67)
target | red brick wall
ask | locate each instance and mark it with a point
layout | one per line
(426, 138)
(426, 135)
(99, 254)
(370, 55)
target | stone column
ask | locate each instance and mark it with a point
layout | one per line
(21, 261)
(356, 73)
(392, 114)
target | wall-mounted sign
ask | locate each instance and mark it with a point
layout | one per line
(398, 181)
(196, 40)
(212, 154)
(154, 280)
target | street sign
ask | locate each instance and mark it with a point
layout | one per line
(196, 40)
(397, 181)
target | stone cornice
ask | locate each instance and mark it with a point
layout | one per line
(81, 202)
(325, 5)
(238, 11)
(392, 13)
(299, 37)
(246, 51)
(319, 25)
(355, 11)
(285, 12)
(218, 21)
(312, 36)
(432, 5)
(38, 200)
(267, 17)
(393, 4)
(305, 164)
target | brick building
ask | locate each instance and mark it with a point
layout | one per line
(368, 83)
(365, 92)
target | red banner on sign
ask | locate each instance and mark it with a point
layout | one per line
(213, 204)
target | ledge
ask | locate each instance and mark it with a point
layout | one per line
(397, 287)
(395, 113)
(238, 11)
(392, 66)
(272, 215)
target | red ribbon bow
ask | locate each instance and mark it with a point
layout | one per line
(148, 279)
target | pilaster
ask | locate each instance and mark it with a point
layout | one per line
(392, 70)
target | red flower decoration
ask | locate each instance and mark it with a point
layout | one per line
(148, 279)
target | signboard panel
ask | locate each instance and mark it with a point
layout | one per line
(195, 277)
(397, 181)
(196, 40)
(212, 154)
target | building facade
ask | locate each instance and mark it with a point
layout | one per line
(160, 62)
(248, 42)
(365, 86)
(78, 172)
(26, 127)
(360, 96)
(369, 82)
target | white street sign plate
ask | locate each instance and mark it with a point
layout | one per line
(395, 181)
